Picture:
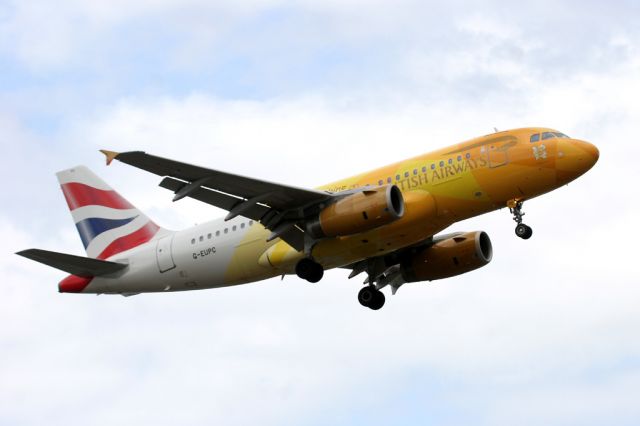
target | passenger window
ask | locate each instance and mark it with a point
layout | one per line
(468, 156)
(380, 182)
(547, 135)
(415, 172)
(234, 228)
(226, 230)
(201, 238)
(433, 167)
(217, 233)
(535, 138)
(442, 164)
(193, 241)
(388, 180)
(397, 177)
(459, 157)
(450, 161)
(406, 174)
(242, 225)
(208, 236)
(424, 169)
(250, 223)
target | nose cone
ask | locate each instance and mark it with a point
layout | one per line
(574, 158)
(591, 153)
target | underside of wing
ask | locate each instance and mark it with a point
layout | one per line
(280, 208)
(281, 196)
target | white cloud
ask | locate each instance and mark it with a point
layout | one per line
(551, 306)
(47, 35)
(72, 34)
(544, 334)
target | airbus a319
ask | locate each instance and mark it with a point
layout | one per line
(384, 224)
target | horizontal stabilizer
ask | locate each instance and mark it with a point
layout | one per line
(75, 265)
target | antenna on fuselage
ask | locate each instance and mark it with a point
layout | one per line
(495, 129)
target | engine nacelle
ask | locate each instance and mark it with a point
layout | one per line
(359, 212)
(448, 258)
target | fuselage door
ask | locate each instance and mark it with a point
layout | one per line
(498, 151)
(163, 254)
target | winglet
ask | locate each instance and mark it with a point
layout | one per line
(111, 155)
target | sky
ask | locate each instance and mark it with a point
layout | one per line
(307, 92)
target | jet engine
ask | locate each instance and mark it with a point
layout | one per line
(457, 255)
(359, 212)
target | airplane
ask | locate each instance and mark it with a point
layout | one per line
(384, 223)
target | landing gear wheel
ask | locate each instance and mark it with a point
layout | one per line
(523, 231)
(378, 301)
(309, 270)
(366, 295)
(317, 272)
(371, 298)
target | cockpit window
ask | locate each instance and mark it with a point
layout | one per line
(548, 135)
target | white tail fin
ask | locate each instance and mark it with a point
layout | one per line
(107, 223)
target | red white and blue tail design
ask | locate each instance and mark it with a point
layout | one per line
(107, 223)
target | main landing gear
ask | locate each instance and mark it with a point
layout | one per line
(523, 231)
(371, 297)
(312, 271)
(309, 270)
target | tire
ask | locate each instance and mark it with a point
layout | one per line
(378, 301)
(316, 273)
(304, 268)
(366, 296)
(523, 231)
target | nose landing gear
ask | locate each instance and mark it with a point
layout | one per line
(523, 231)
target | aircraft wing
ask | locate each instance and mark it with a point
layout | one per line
(280, 208)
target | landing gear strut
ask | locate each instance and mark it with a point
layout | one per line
(371, 297)
(523, 231)
(309, 270)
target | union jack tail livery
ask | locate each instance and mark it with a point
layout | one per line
(107, 223)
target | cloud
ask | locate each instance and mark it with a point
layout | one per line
(45, 35)
(280, 36)
(539, 310)
(544, 334)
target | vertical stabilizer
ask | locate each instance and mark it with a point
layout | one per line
(107, 223)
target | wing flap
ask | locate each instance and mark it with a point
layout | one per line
(258, 212)
(277, 207)
(294, 237)
(215, 198)
(75, 265)
(271, 204)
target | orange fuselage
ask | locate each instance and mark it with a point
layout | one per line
(439, 188)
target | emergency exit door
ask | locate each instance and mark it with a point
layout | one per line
(164, 255)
